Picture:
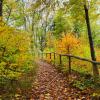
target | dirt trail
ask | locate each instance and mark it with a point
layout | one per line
(51, 85)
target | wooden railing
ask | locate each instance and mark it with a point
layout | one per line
(69, 59)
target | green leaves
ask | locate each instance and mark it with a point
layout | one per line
(14, 52)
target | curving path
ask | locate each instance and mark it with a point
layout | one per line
(51, 85)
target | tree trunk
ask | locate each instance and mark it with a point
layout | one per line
(1, 8)
(10, 10)
(93, 57)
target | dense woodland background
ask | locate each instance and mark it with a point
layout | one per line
(29, 28)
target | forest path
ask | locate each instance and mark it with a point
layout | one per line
(52, 85)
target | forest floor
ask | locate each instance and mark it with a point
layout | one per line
(53, 85)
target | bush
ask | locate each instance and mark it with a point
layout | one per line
(15, 56)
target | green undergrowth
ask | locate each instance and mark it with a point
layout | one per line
(11, 88)
(86, 82)
(83, 81)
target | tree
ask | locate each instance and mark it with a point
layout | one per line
(1, 1)
(61, 23)
(95, 69)
(67, 44)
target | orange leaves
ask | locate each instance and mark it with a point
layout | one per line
(48, 58)
(68, 43)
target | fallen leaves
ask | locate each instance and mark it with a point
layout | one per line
(59, 87)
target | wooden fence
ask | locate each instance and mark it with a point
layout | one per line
(54, 54)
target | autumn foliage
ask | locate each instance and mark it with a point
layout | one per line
(15, 53)
(67, 44)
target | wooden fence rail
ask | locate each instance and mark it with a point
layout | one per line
(70, 56)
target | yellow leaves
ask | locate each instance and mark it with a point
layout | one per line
(0, 18)
(2, 64)
(13, 65)
(13, 39)
(12, 74)
(14, 51)
(12, 3)
(48, 58)
(68, 43)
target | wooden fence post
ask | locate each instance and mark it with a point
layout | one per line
(50, 55)
(46, 55)
(54, 58)
(60, 59)
(69, 64)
